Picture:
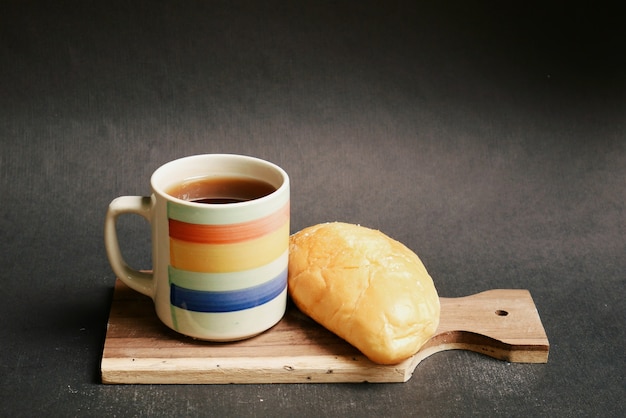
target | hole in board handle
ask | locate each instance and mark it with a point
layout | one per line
(500, 312)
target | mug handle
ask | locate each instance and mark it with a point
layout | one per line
(140, 281)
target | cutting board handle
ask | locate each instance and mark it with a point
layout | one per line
(501, 323)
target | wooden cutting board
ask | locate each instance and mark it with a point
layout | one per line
(138, 348)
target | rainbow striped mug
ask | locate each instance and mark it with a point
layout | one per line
(219, 270)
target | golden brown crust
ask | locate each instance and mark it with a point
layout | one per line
(367, 288)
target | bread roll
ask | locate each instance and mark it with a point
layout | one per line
(367, 288)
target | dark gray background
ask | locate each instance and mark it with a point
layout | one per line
(490, 139)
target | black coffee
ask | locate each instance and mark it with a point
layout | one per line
(221, 190)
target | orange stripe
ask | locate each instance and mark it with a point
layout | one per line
(208, 258)
(231, 233)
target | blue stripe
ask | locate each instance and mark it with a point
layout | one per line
(227, 301)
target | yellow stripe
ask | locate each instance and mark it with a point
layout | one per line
(222, 258)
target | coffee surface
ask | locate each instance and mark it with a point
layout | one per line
(221, 190)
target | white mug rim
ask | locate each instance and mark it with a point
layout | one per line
(157, 187)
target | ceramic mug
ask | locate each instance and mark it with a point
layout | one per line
(219, 268)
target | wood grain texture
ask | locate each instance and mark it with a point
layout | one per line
(139, 349)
